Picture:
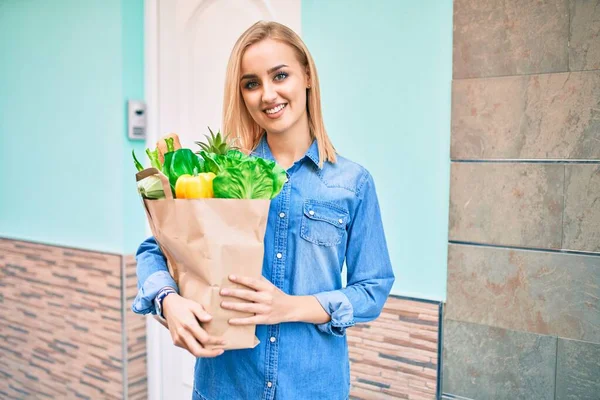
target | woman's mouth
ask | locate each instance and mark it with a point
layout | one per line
(275, 112)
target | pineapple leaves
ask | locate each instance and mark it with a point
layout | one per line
(216, 144)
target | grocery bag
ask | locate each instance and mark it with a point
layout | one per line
(205, 241)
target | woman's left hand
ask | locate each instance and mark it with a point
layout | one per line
(268, 302)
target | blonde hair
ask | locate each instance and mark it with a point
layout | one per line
(236, 119)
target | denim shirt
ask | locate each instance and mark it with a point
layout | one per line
(322, 218)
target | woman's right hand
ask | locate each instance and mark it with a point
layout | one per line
(182, 317)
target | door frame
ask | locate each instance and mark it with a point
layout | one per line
(154, 330)
(153, 351)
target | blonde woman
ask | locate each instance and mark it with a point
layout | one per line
(326, 213)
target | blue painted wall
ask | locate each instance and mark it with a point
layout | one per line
(68, 68)
(385, 68)
(133, 222)
(67, 177)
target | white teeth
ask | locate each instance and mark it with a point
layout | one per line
(276, 109)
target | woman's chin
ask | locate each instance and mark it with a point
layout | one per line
(276, 126)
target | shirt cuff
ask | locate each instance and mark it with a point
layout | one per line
(337, 305)
(144, 300)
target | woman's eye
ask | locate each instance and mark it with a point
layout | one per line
(281, 76)
(251, 85)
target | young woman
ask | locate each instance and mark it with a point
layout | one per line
(326, 213)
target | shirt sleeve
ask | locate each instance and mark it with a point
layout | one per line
(370, 273)
(152, 276)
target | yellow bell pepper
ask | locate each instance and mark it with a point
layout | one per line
(195, 186)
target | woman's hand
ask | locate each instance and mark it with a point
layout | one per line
(268, 302)
(182, 317)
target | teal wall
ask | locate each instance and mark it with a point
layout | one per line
(385, 68)
(133, 221)
(68, 68)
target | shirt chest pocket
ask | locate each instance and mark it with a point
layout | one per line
(323, 223)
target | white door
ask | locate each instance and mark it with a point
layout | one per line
(188, 43)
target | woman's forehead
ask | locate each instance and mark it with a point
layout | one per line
(266, 54)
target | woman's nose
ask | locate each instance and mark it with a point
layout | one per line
(269, 95)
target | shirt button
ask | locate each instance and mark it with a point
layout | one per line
(273, 339)
(279, 255)
(311, 212)
(341, 221)
(281, 215)
(269, 384)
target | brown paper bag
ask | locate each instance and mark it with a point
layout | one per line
(204, 241)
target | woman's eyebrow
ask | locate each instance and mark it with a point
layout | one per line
(276, 68)
(270, 71)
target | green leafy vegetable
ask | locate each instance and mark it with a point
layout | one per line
(212, 162)
(215, 163)
(236, 155)
(154, 160)
(152, 155)
(181, 162)
(249, 178)
(277, 173)
(170, 144)
(138, 165)
(238, 176)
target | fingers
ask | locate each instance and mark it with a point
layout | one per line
(192, 328)
(253, 308)
(192, 337)
(203, 337)
(187, 333)
(256, 284)
(189, 343)
(250, 295)
(200, 312)
(200, 334)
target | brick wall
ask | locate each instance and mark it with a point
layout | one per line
(396, 356)
(64, 323)
(66, 327)
(137, 378)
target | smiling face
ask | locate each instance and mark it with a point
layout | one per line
(273, 85)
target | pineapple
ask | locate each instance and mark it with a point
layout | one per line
(217, 144)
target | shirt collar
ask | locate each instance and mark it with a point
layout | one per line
(263, 151)
(313, 152)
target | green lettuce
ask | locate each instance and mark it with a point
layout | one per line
(276, 172)
(216, 163)
(245, 177)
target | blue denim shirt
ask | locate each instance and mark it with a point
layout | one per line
(321, 218)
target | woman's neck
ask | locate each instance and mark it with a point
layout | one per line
(289, 146)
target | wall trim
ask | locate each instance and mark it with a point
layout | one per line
(522, 161)
(448, 396)
(521, 248)
(409, 298)
(62, 246)
(125, 355)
